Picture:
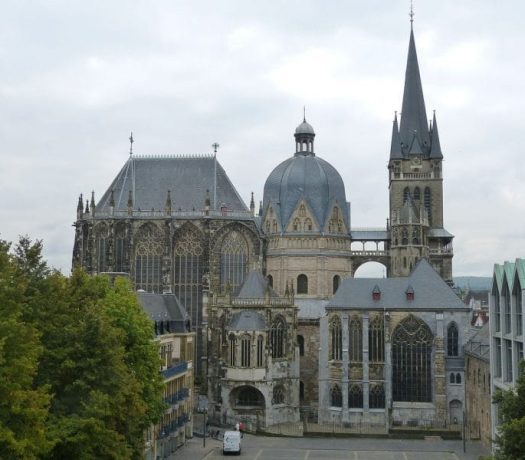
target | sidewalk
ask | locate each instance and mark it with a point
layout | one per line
(193, 449)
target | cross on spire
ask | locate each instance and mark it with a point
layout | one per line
(215, 146)
(131, 143)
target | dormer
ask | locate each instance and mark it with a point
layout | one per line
(409, 293)
(376, 293)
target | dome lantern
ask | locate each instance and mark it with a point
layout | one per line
(304, 139)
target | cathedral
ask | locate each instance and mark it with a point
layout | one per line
(281, 323)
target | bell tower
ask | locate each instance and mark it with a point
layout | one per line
(416, 183)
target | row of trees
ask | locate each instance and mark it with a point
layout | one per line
(79, 371)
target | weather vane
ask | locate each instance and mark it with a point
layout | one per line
(215, 146)
(131, 143)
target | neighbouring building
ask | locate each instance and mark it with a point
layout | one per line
(477, 385)
(506, 319)
(176, 348)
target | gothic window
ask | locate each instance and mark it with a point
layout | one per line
(302, 284)
(412, 361)
(458, 378)
(234, 260)
(427, 202)
(406, 194)
(417, 194)
(336, 339)
(308, 224)
(267, 226)
(274, 226)
(270, 280)
(148, 259)
(356, 339)
(404, 236)
(376, 397)
(278, 395)
(278, 337)
(249, 396)
(121, 248)
(335, 283)
(300, 344)
(302, 211)
(246, 345)
(301, 391)
(452, 340)
(339, 225)
(355, 397)
(188, 271)
(232, 340)
(415, 236)
(296, 225)
(260, 351)
(452, 378)
(101, 244)
(336, 397)
(506, 307)
(376, 340)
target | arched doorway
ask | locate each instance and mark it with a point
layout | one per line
(456, 411)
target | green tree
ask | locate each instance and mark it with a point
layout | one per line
(511, 407)
(23, 406)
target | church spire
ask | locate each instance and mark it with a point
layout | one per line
(413, 115)
(395, 147)
(435, 150)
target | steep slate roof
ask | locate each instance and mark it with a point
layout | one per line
(479, 343)
(247, 320)
(163, 307)
(188, 178)
(255, 286)
(430, 292)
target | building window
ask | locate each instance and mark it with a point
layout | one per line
(336, 339)
(245, 350)
(249, 396)
(428, 203)
(452, 378)
(498, 367)
(301, 391)
(412, 361)
(270, 280)
(302, 284)
(148, 259)
(296, 225)
(335, 283)
(376, 398)
(415, 236)
(188, 271)
(302, 210)
(508, 359)
(101, 244)
(356, 339)
(506, 308)
(497, 310)
(233, 349)
(278, 395)
(458, 378)
(234, 260)
(278, 337)
(308, 224)
(452, 340)
(406, 194)
(404, 238)
(260, 351)
(336, 397)
(121, 248)
(300, 343)
(355, 397)
(376, 340)
(519, 307)
(417, 194)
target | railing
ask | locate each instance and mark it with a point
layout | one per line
(262, 301)
(178, 396)
(168, 428)
(180, 214)
(370, 253)
(175, 370)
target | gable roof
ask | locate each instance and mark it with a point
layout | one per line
(430, 292)
(247, 320)
(164, 307)
(188, 177)
(255, 286)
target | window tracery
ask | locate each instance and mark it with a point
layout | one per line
(278, 395)
(356, 339)
(234, 260)
(355, 396)
(376, 340)
(336, 339)
(148, 259)
(452, 339)
(101, 244)
(336, 397)
(278, 337)
(376, 397)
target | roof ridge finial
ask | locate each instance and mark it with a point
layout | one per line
(411, 14)
(131, 143)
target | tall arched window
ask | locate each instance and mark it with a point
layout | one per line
(148, 259)
(296, 225)
(300, 344)
(301, 391)
(336, 397)
(101, 242)
(188, 271)
(452, 340)
(427, 202)
(412, 361)
(355, 397)
(417, 194)
(415, 236)
(260, 351)
(278, 337)
(246, 346)
(406, 194)
(335, 283)
(376, 397)
(234, 260)
(356, 339)
(232, 342)
(121, 248)
(336, 340)
(404, 236)
(376, 340)
(270, 280)
(302, 284)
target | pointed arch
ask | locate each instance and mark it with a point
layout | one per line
(148, 258)
(376, 340)
(336, 396)
(355, 331)
(302, 284)
(336, 339)
(233, 260)
(355, 396)
(278, 337)
(412, 342)
(417, 194)
(101, 232)
(121, 247)
(452, 339)
(376, 397)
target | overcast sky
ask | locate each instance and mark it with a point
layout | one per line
(76, 77)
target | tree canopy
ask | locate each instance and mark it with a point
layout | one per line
(79, 370)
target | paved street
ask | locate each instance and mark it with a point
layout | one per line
(269, 448)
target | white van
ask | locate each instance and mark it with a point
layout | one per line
(231, 442)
